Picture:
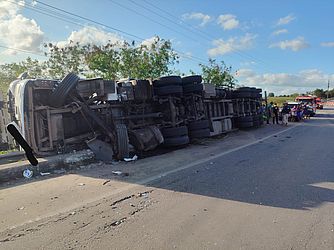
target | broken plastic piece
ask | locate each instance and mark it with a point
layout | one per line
(27, 173)
(134, 158)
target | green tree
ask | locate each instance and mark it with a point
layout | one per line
(10, 71)
(63, 60)
(125, 60)
(218, 74)
(319, 93)
(271, 95)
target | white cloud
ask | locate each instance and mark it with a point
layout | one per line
(279, 32)
(235, 43)
(149, 41)
(327, 44)
(228, 21)
(296, 44)
(285, 83)
(285, 20)
(197, 16)
(18, 31)
(90, 35)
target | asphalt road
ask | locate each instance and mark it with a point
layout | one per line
(275, 193)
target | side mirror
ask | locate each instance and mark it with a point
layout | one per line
(14, 131)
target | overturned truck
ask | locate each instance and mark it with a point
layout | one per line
(120, 117)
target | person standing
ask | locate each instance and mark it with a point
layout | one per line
(270, 111)
(275, 113)
(285, 114)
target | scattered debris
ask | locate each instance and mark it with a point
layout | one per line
(120, 200)
(27, 173)
(21, 208)
(115, 223)
(144, 193)
(205, 209)
(43, 174)
(134, 158)
(81, 184)
(120, 173)
(106, 182)
(211, 163)
(53, 198)
(102, 150)
(73, 213)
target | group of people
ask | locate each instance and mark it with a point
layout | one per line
(297, 113)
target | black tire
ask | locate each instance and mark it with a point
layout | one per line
(200, 133)
(245, 119)
(176, 141)
(256, 123)
(167, 80)
(61, 92)
(245, 124)
(122, 141)
(222, 93)
(191, 79)
(193, 88)
(242, 94)
(196, 125)
(169, 90)
(174, 132)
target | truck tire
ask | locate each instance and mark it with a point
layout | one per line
(193, 88)
(244, 124)
(191, 79)
(200, 133)
(245, 119)
(61, 92)
(174, 132)
(167, 80)
(122, 141)
(196, 125)
(169, 90)
(176, 141)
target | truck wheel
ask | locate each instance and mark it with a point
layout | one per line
(176, 141)
(196, 125)
(245, 124)
(174, 132)
(191, 79)
(200, 133)
(167, 80)
(192, 88)
(245, 119)
(122, 141)
(61, 92)
(169, 90)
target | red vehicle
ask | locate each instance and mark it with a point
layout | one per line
(319, 103)
(308, 100)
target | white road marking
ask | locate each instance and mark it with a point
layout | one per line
(198, 162)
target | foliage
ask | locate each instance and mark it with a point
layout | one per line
(62, 60)
(127, 60)
(10, 71)
(271, 95)
(218, 74)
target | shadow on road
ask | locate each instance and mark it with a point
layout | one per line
(293, 170)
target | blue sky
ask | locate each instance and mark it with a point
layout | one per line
(281, 46)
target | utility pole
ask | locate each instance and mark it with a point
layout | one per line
(327, 90)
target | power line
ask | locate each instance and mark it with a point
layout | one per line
(22, 50)
(66, 19)
(207, 35)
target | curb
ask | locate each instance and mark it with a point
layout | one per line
(69, 161)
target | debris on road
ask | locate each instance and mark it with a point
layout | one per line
(81, 184)
(27, 173)
(134, 158)
(21, 208)
(106, 182)
(44, 173)
(120, 173)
